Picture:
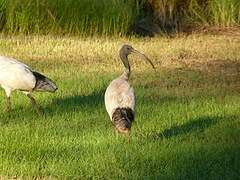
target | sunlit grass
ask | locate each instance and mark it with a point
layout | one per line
(187, 115)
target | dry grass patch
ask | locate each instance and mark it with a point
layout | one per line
(104, 51)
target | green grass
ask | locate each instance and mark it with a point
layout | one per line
(187, 116)
(111, 17)
(84, 17)
(224, 13)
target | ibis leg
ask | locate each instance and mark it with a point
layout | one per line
(8, 102)
(116, 132)
(35, 106)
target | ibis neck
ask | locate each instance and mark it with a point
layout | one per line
(125, 75)
(126, 64)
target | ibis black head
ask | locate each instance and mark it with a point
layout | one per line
(126, 50)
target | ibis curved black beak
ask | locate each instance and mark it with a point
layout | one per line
(143, 57)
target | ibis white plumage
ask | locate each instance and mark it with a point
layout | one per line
(119, 96)
(15, 75)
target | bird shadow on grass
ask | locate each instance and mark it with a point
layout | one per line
(59, 106)
(75, 103)
(196, 125)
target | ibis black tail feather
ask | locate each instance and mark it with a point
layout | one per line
(43, 83)
(122, 119)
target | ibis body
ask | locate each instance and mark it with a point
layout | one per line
(119, 96)
(15, 75)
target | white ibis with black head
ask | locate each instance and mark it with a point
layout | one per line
(15, 75)
(119, 96)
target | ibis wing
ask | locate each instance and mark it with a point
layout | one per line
(16, 75)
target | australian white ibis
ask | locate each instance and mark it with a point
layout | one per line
(119, 96)
(15, 75)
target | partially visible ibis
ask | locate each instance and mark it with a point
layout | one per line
(15, 75)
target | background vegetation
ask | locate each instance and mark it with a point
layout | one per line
(111, 17)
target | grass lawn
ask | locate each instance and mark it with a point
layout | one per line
(187, 115)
